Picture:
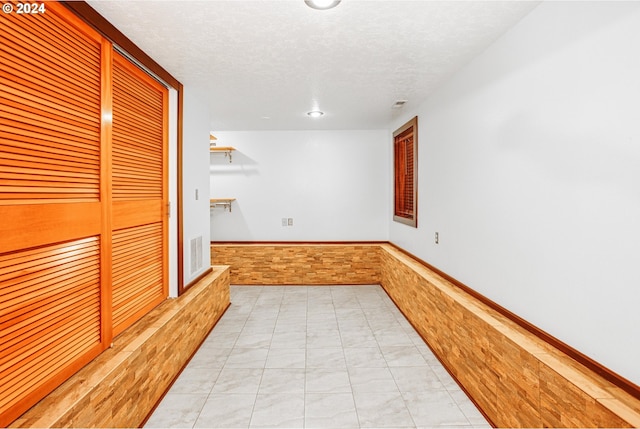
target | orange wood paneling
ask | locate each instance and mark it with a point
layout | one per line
(60, 172)
(49, 318)
(51, 203)
(24, 226)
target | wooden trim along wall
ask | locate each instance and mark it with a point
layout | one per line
(518, 376)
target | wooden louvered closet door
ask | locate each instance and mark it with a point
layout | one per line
(53, 196)
(139, 193)
(83, 194)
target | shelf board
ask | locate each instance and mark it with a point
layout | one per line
(227, 150)
(224, 202)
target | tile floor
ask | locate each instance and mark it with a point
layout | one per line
(314, 357)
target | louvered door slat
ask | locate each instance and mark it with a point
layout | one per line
(31, 160)
(23, 62)
(81, 143)
(33, 375)
(69, 277)
(44, 94)
(26, 78)
(43, 51)
(32, 117)
(52, 109)
(136, 118)
(144, 97)
(46, 324)
(32, 338)
(52, 149)
(137, 272)
(60, 46)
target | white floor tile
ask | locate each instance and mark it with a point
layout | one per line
(320, 380)
(434, 409)
(364, 357)
(382, 410)
(402, 356)
(177, 411)
(372, 380)
(330, 410)
(328, 357)
(196, 380)
(286, 358)
(277, 380)
(314, 357)
(238, 380)
(247, 358)
(416, 379)
(279, 410)
(224, 410)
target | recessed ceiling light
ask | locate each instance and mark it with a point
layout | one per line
(322, 4)
(315, 113)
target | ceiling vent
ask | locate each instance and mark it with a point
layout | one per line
(398, 104)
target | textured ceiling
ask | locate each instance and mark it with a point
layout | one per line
(264, 64)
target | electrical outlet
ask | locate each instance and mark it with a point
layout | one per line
(290, 221)
(437, 238)
(284, 221)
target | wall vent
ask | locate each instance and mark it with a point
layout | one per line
(196, 254)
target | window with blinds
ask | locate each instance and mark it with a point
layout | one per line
(83, 225)
(405, 150)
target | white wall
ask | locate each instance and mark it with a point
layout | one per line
(334, 184)
(529, 163)
(195, 177)
(173, 192)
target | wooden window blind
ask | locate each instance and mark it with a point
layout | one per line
(139, 195)
(405, 149)
(83, 234)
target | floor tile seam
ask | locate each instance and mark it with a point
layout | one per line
(355, 408)
(455, 402)
(253, 408)
(195, 421)
(390, 372)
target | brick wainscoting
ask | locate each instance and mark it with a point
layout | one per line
(300, 264)
(515, 378)
(122, 386)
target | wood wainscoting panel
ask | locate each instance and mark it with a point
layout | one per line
(299, 264)
(515, 378)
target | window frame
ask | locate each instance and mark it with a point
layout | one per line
(404, 180)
